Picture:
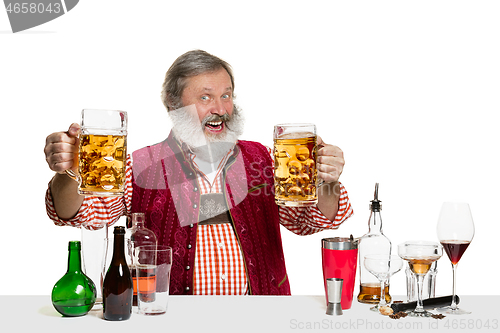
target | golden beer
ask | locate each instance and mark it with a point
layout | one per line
(295, 173)
(101, 166)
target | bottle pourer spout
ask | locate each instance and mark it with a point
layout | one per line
(375, 205)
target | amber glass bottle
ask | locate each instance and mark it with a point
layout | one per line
(117, 289)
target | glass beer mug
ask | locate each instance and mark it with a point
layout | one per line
(102, 153)
(295, 158)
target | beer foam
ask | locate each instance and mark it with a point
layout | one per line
(297, 135)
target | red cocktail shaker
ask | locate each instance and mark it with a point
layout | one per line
(340, 261)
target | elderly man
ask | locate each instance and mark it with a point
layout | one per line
(233, 249)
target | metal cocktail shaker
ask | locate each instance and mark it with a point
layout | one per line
(340, 261)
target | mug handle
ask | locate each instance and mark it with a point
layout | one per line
(72, 175)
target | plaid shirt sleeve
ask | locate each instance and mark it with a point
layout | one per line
(310, 220)
(95, 211)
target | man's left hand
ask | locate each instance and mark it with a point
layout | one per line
(330, 162)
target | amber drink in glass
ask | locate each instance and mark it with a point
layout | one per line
(295, 158)
(102, 153)
(420, 256)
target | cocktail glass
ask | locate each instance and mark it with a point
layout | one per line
(382, 266)
(420, 256)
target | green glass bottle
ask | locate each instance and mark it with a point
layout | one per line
(75, 293)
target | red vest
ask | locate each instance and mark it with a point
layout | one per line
(165, 188)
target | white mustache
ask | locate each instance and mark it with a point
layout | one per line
(216, 118)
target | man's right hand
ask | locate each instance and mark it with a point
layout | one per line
(61, 154)
(61, 149)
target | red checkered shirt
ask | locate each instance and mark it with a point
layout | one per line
(219, 267)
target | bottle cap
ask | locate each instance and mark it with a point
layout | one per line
(119, 230)
(138, 218)
(74, 245)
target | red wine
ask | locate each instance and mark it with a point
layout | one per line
(455, 249)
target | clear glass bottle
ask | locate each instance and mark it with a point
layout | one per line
(117, 288)
(75, 293)
(373, 242)
(139, 235)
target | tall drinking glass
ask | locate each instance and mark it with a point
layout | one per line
(153, 264)
(94, 240)
(420, 256)
(102, 153)
(455, 230)
(295, 158)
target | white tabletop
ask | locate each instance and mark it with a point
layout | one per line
(245, 314)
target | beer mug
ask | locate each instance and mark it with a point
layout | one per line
(102, 153)
(295, 157)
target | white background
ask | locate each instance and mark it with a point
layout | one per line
(408, 89)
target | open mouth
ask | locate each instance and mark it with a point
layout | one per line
(214, 126)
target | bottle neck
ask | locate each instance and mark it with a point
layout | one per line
(375, 223)
(74, 261)
(137, 224)
(119, 248)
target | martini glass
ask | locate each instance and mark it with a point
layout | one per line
(455, 230)
(420, 256)
(383, 266)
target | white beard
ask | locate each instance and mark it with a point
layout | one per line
(210, 148)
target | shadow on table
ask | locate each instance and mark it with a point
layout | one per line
(49, 311)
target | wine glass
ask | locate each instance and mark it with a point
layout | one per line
(455, 230)
(420, 256)
(383, 266)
